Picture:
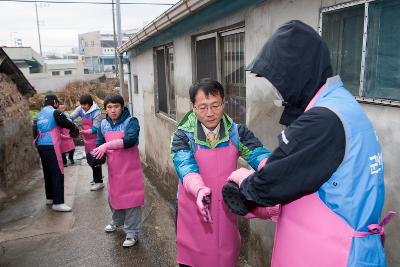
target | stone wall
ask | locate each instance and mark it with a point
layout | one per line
(18, 155)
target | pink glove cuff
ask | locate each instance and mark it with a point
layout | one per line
(192, 182)
(262, 163)
(115, 144)
(265, 213)
(87, 131)
(240, 175)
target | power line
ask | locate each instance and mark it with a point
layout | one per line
(87, 2)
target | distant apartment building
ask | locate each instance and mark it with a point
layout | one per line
(75, 56)
(63, 67)
(98, 51)
(48, 74)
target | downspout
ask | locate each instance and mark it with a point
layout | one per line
(130, 88)
(121, 76)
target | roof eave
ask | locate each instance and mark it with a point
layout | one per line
(179, 11)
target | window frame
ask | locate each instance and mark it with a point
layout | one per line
(168, 86)
(360, 97)
(218, 34)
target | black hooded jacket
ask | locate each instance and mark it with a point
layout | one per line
(296, 61)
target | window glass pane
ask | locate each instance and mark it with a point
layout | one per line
(206, 59)
(135, 84)
(383, 51)
(161, 81)
(171, 91)
(233, 76)
(343, 32)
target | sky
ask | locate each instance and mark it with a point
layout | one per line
(60, 24)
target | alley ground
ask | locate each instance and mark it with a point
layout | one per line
(33, 235)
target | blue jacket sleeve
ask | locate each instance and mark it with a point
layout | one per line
(182, 155)
(75, 113)
(100, 137)
(250, 148)
(96, 121)
(131, 136)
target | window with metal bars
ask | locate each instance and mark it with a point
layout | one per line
(363, 38)
(164, 80)
(220, 56)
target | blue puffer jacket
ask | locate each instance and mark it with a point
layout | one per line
(190, 134)
(129, 125)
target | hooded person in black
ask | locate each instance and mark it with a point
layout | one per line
(296, 62)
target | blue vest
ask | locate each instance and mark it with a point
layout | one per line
(355, 192)
(45, 123)
(107, 127)
(88, 115)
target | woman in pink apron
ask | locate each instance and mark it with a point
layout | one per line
(91, 119)
(327, 171)
(205, 150)
(118, 138)
(67, 143)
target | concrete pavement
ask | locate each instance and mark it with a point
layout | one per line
(31, 234)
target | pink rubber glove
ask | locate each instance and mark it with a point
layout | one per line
(193, 183)
(262, 163)
(87, 131)
(99, 152)
(63, 136)
(265, 213)
(239, 175)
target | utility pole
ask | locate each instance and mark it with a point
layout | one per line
(119, 31)
(115, 42)
(38, 29)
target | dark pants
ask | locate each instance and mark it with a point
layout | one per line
(97, 174)
(53, 178)
(70, 156)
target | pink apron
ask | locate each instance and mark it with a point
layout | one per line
(200, 243)
(89, 140)
(309, 234)
(56, 139)
(67, 143)
(125, 178)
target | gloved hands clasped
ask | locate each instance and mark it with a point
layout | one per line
(238, 204)
(99, 152)
(194, 184)
(74, 133)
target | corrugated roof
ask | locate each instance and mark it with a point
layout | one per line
(177, 12)
(8, 67)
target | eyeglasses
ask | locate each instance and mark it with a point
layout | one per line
(214, 108)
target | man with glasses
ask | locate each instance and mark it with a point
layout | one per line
(205, 149)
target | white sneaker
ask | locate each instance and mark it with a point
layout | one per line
(92, 182)
(49, 202)
(96, 186)
(110, 228)
(61, 207)
(129, 242)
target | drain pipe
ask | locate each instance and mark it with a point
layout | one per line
(130, 88)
